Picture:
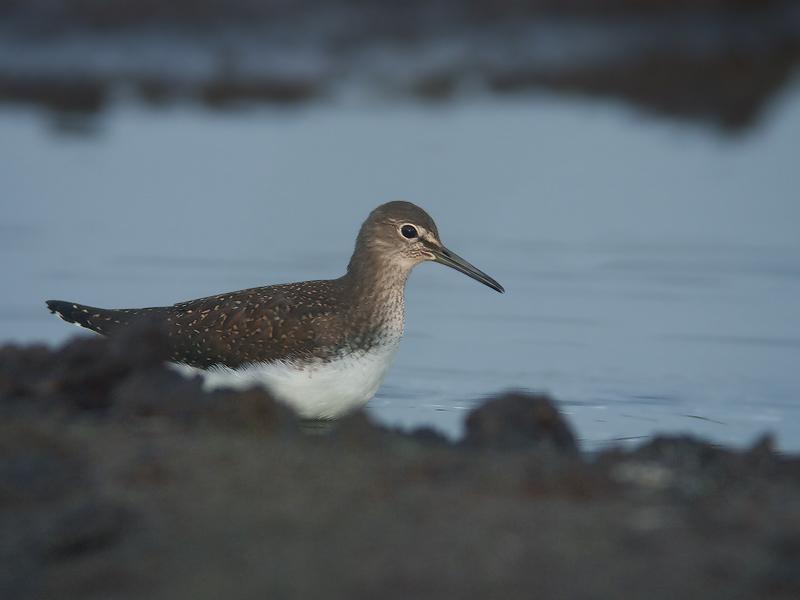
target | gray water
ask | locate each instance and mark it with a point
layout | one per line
(652, 269)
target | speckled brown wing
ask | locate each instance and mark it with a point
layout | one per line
(291, 321)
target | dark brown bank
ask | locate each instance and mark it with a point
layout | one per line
(119, 479)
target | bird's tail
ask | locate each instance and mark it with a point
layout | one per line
(102, 320)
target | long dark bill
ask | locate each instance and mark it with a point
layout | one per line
(451, 259)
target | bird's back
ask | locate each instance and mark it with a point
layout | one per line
(281, 322)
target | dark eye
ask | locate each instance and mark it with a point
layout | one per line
(409, 231)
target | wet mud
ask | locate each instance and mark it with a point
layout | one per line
(121, 479)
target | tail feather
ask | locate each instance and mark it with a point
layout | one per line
(101, 320)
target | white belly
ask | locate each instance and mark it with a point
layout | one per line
(317, 391)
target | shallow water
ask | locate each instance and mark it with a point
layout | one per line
(652, 269)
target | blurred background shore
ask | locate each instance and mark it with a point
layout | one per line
(714, 61)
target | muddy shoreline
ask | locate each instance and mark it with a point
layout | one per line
(119, 479)
(717, 63)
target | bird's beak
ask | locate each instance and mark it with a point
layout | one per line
(444, 256)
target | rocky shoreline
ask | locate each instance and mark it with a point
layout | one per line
(120, 479)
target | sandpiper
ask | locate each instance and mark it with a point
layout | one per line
(322, 347)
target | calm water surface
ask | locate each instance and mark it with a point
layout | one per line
(652, 269)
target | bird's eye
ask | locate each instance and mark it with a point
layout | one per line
(409, 231)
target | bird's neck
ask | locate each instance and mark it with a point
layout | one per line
(376, 288)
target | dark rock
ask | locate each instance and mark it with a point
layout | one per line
(86, 370)
(147, 468)
(249, 410)
(125, 377)
(159, 393)
(36, 466)
(167, 394)
(428, 436)
(86, 528)
(783, 575)
(519, 421)
(226, 92)
(21, 369)
(142, 344)
(682, 452)
(358, 429)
